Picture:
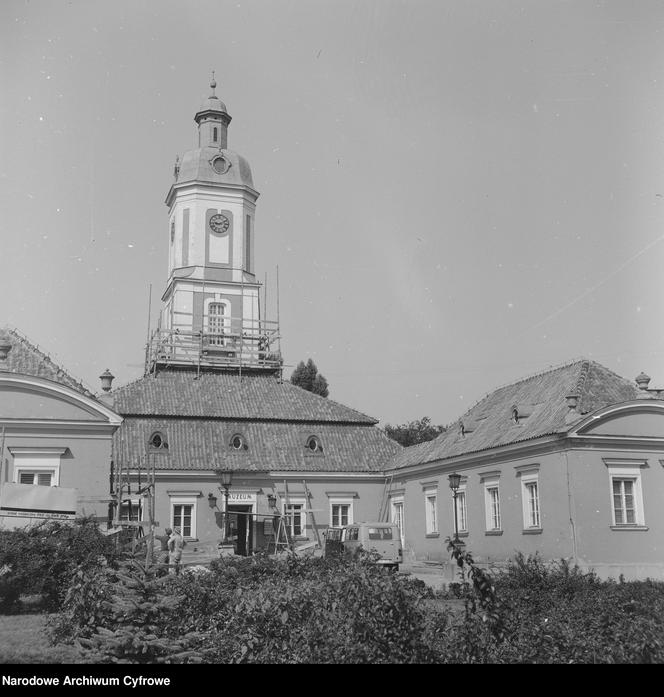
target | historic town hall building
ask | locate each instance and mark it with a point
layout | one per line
(213, 407)
(568, 462)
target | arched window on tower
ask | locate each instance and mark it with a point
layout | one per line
(216, 324)
(215, 134)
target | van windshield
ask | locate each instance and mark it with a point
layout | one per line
(380, 533)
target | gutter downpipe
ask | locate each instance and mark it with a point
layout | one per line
(571, 515)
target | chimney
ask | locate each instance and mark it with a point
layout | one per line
(106, 380)
(5, 348)
(572, 403)
(642, 380)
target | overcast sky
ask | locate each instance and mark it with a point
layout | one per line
(457, 193)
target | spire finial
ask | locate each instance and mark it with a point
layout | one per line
(213, 84)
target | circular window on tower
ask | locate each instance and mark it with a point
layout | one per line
(220, 164)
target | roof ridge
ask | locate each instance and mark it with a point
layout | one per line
(532, 376)
(130, 383)
(584, 372)
(48, 358)
(332, 401)
(613, 372)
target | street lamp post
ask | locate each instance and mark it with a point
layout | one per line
(455, 480)
(226, 478)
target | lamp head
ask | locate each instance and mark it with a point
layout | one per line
(226, 477)
(455, 481)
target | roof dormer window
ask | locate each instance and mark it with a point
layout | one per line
(314, 445)
(238, 442)
(515, 415)
(157, 441)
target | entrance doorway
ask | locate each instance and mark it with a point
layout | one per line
(241, 524)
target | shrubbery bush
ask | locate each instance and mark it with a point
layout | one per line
(257, 610)
(41, 559)
(294, 610)
(555, 613)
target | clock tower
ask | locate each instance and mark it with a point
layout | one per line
(211, 307)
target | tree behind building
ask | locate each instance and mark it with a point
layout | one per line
(307, 377)
(414, 432)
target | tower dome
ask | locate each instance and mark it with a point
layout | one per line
(212, 103)
(212, 118)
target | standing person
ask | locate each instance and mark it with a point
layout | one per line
(163, 554)
(175, 545)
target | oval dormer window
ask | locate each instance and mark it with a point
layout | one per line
(314, 444)
(221, 165)
(238, 443)
(157, 441)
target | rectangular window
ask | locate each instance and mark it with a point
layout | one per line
(37, 466)
(532, 505)
(294, 514)
(130, 511)
(42, 478)
(492, 500)
(530, 497)
(340, 515)
(341, 511)
(462, 524)
(398, 516)
(216, 323)
(626, 492)
(624, 509)
(183, 515)
(431, 510)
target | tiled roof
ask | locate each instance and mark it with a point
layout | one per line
(221, 395)
(204, 444)
(27, 359)
(542, 407)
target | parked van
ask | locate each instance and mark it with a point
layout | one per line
(383, 538)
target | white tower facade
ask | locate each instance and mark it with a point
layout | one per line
(211, 312)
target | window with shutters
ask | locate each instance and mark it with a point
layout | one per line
(37, 466)
(42, 478)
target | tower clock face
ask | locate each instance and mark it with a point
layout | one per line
(219, 223)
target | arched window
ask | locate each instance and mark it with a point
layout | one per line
(238, 442)
(158, 441)
(216, 323)
(314, 445)
(215, 134)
